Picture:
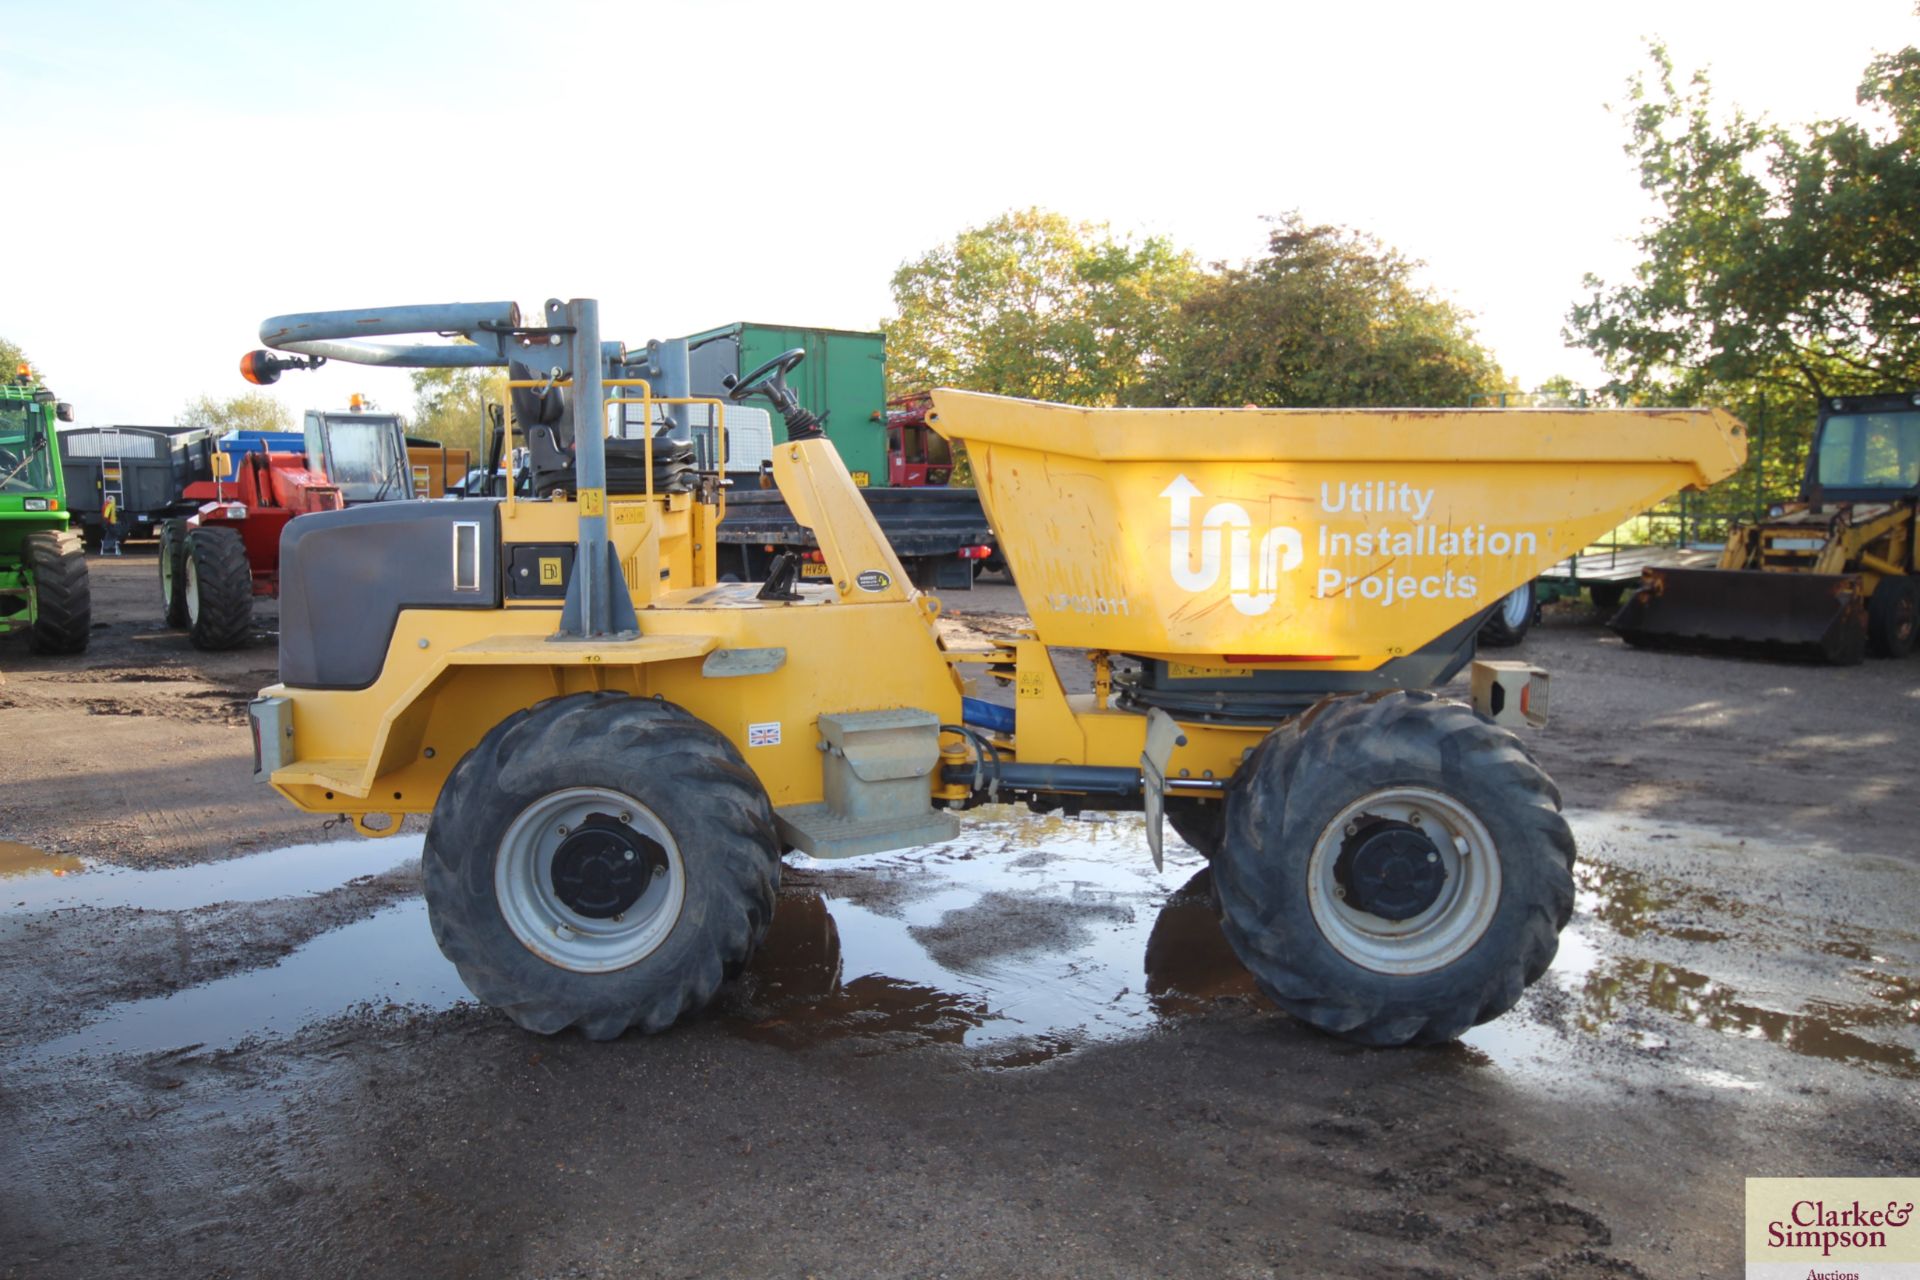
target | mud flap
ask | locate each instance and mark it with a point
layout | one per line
(1810, 616)
(1163, 735)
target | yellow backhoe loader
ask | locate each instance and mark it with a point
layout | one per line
(616, 748)
(1828, 578)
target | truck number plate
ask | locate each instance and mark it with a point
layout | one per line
(811, 570)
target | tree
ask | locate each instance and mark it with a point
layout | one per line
(1033, 304)
(1780, 258)
(254, 411)
(1328, 317)
(11, 358)
(449, 405)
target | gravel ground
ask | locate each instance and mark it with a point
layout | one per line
(228, 1046)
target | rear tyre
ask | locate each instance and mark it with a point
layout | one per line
(173, 572)
(218, 585)
(601, 862)
(1511, 619)
(62, 596)
(1395, 869)
(1893, 617)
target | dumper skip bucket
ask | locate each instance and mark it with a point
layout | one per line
(1333, 539)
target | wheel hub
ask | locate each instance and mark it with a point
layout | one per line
(1390, 869)
(604, 866)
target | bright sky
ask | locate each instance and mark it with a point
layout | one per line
(208, 165)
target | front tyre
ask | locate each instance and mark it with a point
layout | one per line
(1893, 616)
(1395, 869)
(218, 584)
(62, 594)
(173, 572)
(601, 862)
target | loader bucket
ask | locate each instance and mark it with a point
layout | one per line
(1818, 617)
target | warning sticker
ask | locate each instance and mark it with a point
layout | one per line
(593, 501)
(764, 735)
(629, 513)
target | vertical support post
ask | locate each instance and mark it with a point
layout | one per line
(598, 606)
(590, 457)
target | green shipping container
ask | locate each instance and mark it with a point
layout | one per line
(844, 377)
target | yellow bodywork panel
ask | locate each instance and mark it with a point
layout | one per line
(1335, 539)
(665, 543)
(450, 675)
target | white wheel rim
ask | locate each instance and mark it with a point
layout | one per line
(1449, 927)
(193, 591)
(546, 925)
(1514, 609)
(166, 574)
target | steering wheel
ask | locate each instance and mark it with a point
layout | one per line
(774, 371)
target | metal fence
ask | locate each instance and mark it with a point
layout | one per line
(1779, 431)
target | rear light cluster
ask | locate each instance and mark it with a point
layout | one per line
(975, 553)
(813, 557)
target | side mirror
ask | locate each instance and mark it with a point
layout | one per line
(63, 411)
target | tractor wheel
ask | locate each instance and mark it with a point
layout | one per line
(1201, 823)
(62, 597)
(173, 572)
(601, 862)
(1395, 869)
(1893, 615)
(1511, 619)
(1606, 596)
(218, 586)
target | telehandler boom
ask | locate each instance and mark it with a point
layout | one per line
(616, 748)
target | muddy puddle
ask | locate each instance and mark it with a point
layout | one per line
(35, 881)
(20, 861)
(1021, 941)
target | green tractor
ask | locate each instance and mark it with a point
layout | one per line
(43, 567)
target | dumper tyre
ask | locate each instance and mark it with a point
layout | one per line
(1201, 823)
(1321, 889)
(1511, 619)
(217, 582)
(173, 572)
(62, 595)
(1893, 617)
(529, 901)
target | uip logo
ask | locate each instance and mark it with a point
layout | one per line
(1226, 539)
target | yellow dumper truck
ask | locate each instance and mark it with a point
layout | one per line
(616, 748)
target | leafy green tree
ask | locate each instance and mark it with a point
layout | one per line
(254, 411)
(11, 358)
(1781, 259)
(1034, 304)
(449, 405)
(1329, 316)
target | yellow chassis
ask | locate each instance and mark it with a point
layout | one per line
(450, 675)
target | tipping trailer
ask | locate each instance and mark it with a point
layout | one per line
(126, 481)
(614, 766)
(1828, 578)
